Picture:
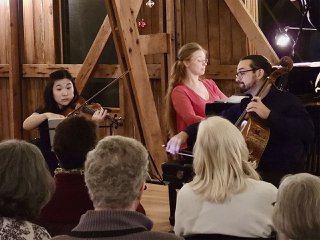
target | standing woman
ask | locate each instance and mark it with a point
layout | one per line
(60, 93)
(187, 93)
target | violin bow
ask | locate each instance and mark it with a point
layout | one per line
(96, 94)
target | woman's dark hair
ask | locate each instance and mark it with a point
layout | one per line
(50, 104)
(259, 61)
(26, 184)
(74, 138)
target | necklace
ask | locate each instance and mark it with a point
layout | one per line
(69, 171)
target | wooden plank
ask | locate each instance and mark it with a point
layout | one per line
(48, 30)
(14, 100)
(225, 34)
(151, 44)
(252, 30)
(139, 80)
(239, 42)
(170, 30)
(128, 106)
(190, 25)
(4, 70)
(214, 32)
(178, 26)
(202, 23)
(4, 32)
(105, 70)
(221, 71)
(154, 43)
(93, 55)
(28, 36)
(102, 70)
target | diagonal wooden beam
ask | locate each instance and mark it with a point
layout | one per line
(252, 30)
(93, 55)
(95, 52)
(132, 58)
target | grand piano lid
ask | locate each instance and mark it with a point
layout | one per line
(304, 81)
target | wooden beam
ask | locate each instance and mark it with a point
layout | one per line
(93, 55)
(153, 43)
(221, 71)
(14, 101)
(101, 71)
(252, 30)
(133, 59)
(4, 70)
(109, 70)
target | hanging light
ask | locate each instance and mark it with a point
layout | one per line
(150, 3)
(283, 39)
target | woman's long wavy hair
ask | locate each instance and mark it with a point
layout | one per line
(177, 76)
(220, 160)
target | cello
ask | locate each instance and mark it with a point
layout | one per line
(255, 133)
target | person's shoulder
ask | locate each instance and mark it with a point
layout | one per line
(180, 87)
(263, 186)
(61, 237)
(162, 235)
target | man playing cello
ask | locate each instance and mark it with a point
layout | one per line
(291, 127)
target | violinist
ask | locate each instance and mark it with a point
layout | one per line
(291, 127)
(59, 95)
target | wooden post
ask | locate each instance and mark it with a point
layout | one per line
(14, 100)
(132, 58)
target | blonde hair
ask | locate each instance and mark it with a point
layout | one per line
(178, 74)
(115, 171)
(297, 210)
(220, 160)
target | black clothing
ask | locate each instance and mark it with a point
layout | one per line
(45, 145)
(291, 129)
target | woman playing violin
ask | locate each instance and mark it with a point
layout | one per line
(60, 94)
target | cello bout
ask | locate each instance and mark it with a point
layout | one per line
(256, 136)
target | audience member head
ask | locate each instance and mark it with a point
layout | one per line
(74, 138)
(178, 75)
(25, 182)
(51, 103)
(220, 160)
(296, 214)
(115, 173)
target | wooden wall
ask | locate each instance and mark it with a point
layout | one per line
(208, 22)
(4, 69)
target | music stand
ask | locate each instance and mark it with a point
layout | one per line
(52, 125)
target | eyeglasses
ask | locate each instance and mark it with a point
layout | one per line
(243, 72)
(203, 61)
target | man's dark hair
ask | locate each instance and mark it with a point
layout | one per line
(74, 138)
(259, 62)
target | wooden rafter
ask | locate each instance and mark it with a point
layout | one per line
(252, 30)
(130, 57)
(109, 70)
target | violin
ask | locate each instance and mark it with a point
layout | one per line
(255, 133)
(80, 106)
